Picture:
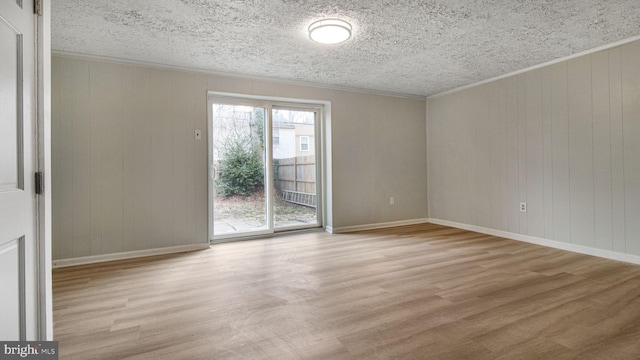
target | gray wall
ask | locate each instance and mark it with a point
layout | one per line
(564, 138)
(128, 174)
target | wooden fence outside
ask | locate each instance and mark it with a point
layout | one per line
(296, 174)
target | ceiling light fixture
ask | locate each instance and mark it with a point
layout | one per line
(330, 31)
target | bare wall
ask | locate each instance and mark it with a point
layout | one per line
(128, 175)
(564, 138)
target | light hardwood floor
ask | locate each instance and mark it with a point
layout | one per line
(417, 292)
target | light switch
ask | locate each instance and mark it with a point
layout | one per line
(198, 135)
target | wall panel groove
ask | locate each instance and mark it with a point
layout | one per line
(617, 152)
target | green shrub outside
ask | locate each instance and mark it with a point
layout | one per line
(241, 171)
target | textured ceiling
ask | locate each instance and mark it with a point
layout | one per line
(399, 46)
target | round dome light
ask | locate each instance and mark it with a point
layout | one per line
(330, 31)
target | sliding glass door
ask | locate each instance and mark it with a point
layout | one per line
(294, 167)
(238, 169)
(263, 168)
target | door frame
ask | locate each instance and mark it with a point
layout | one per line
(43, 164)
(269, 103)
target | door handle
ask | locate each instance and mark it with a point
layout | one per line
(212, 172)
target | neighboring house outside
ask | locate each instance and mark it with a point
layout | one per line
(291, 140)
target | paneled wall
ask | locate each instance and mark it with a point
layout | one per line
(128, 174)
(565, 139)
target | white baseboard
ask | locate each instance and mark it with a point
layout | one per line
(127, 255)
(329, 229)
(607, 254)
(345, 229)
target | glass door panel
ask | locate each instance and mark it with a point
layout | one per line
(238, 170)
(295, 184)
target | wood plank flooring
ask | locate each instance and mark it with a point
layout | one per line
(416, 292)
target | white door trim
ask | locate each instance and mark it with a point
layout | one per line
(43, 164)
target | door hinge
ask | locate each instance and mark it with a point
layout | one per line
(39, 183)
(37, 7)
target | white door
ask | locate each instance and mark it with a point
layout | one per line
(18, 251)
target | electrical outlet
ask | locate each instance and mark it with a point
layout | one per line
(523, 207)
(392, 200)
(198, 134)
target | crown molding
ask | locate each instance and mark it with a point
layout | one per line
(534, 67)
(146, 64)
